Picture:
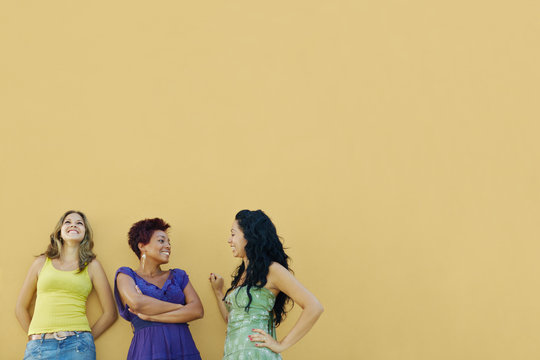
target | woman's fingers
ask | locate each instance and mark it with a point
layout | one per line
(141, 316)
(256, 338)
(262, 339)
(215, 279)
(133, 312)
(259, 336)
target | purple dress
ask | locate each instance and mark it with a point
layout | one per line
(156, 340)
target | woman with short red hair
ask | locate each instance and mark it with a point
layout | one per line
(157, 302)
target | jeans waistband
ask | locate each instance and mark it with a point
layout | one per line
(58, 335)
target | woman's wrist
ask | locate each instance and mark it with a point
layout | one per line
(282, 346)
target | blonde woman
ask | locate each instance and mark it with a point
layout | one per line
(63, 276)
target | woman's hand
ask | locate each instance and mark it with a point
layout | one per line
(262, 339)
(217, 283)
(141, 315)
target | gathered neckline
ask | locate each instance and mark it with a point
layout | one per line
(169, 277)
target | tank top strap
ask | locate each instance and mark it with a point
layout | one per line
(48, 263)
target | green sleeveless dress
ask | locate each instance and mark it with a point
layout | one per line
(237, 344)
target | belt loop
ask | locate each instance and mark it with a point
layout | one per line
(42, 338)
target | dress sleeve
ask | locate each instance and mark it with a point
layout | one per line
(122, 310)
(182, 278)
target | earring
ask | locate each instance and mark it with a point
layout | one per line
(143, 259)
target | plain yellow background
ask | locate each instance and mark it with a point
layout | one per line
(395, 144)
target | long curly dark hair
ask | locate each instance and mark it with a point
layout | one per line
(263, 247)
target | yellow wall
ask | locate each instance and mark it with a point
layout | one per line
(394, 144)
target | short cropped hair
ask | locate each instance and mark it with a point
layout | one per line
(142, 231)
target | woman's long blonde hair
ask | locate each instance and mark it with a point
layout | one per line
(85, 248)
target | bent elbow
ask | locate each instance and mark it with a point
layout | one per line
(109, 318)
(200, 313)
(19, 310)
(113, 316)
(318, 309)
(321, 309)
(135, 304)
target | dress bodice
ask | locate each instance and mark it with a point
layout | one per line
(241, 322)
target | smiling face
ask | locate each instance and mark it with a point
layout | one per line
(73, 228)
(158, 248)
(237, 241)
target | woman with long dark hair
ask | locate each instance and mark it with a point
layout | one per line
(157, 302)
(262, 286)
(63, 276)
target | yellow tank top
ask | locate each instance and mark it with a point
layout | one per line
(61, 300)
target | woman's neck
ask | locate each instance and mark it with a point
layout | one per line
(150, 270)
(69, 252)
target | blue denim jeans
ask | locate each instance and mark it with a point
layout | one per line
(76, 347)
